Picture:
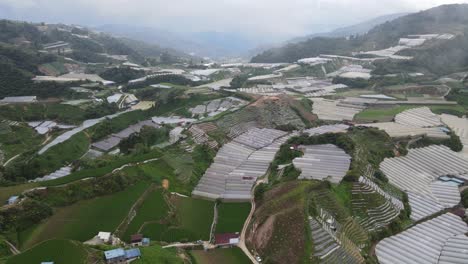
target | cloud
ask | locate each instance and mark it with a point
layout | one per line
(255, 17)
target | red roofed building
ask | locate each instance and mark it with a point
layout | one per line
(136, 240)
(228, 239)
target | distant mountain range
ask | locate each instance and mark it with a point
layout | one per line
(204, 44)
(358, 29)
(438, 58)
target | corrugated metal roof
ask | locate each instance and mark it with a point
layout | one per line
(132, 253)
(114, 253)
(421, 244)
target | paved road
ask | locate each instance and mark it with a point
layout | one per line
(13, 249)
(241, 244)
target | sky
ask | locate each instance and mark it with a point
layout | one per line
(260, 18)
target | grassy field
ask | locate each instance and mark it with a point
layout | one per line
(191, 220)
(385, 114)
(83, 220)
(62, 154)
(158, 171)
(99, 171)
(43, 111)
(19, 140)
(225, 255)
(157, 255)
(231, 217)
(59, 251)
(153, 209)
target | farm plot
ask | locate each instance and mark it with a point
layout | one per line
(323, 162)
(424, 242)
(231, 217)
(58, 251)
(387, 113)
(239, 163)
(224, 255)
(156, 254)
(418, 173)
(83, 220)
(190, 220)
(336, 110)
(18, 139)
(152, 210)
(218, 106)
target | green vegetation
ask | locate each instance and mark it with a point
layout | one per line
(281, 217)
(17, 140)
(121, 75)
(453, 142)
(82, 190)
(146, 138)
(223, 255)
(231, 217)
(464, 198)
(155, 254)
(153, 209)
(50, 161)
(59, 251)
(62, 113)
(83, 220)
(190, 221)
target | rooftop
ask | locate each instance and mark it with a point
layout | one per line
(114, 253)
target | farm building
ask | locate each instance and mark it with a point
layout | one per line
(439, 240)
(239, 163)
(12, 200)
(174, 120)
(414, 123)
(62, 172)
(136, 240)
(113, 140)
(58, 47)
(44, 127)
(115, 98)
(419, 117)
(339, 128)
(19, 99)
(339, 110)
(115, 256)
(418, 172)
(106, 237)
(120, 255)
(396, 130)
(228, 239)
(321, 162)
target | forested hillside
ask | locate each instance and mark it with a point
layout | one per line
(444, 19)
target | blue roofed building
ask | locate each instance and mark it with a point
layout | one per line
(115, 256)
(146, 242)
(133, 253)
(13, 199)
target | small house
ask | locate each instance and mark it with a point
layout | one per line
(12, 200)
(49, 262)
(115, 256)
(136, 240)
(106, 237)
(227, 239)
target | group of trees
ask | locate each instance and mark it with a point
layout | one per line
(142, 141)
(122, 74)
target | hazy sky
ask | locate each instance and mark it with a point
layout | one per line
(256, 17)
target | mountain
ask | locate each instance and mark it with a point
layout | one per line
(205, 44)
(22, 54)
(358, 29)
(443, 19)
